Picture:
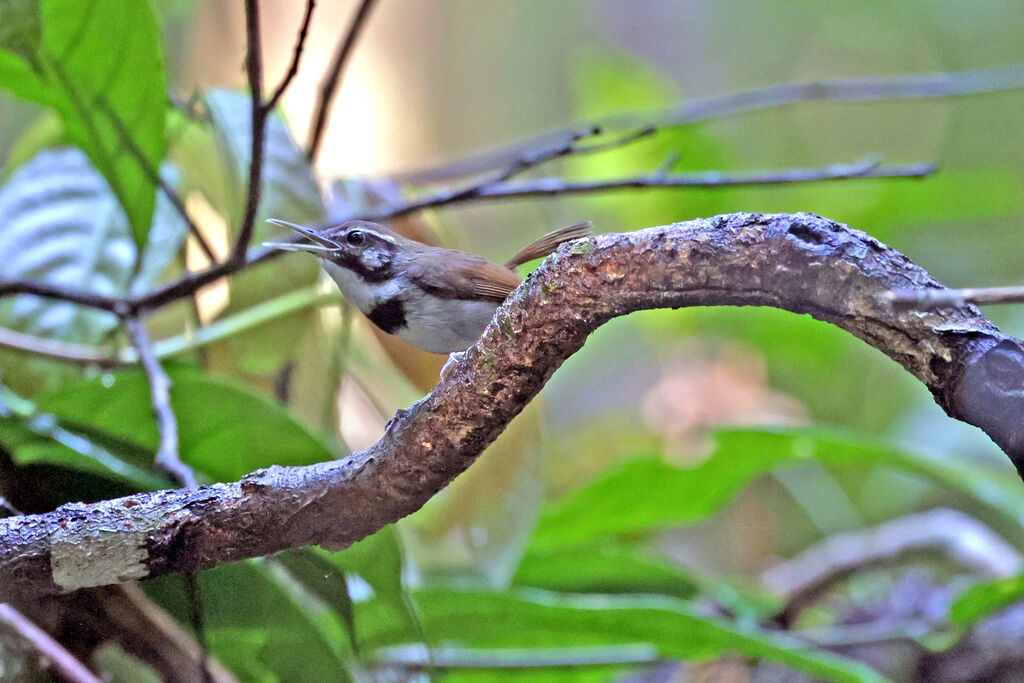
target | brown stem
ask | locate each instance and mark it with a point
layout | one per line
(293, 67)
(799, 262)
(52, 654)
(254, 188)
(325, 98)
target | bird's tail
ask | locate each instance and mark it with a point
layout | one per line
(543, 246)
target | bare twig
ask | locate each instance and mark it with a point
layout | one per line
(491, 188)
(254, 187)
(482, 190)
(415, 658)
(939, 298)
(51, 348)
(167, 458)
(964, 539)
(293, 68)
(905, 87)
(52, 654)
(974, 371)
(329, 85)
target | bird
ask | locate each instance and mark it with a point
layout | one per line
(437, 299)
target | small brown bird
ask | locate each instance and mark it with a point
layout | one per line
(439, 300)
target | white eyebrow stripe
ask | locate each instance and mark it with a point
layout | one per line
(386, 238)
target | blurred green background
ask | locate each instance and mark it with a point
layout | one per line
(668, 464)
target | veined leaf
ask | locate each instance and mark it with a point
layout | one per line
(99, 65)
(64, 227)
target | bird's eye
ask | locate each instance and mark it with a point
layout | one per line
(355, 237)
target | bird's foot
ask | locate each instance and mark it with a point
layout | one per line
(399, 414)
(453, 360)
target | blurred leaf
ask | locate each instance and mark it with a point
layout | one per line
(608, 84)
(604, 568)
(99, 65)
(324, 580)
(61, 206)
(648, 494)
(225, 431)
(289, 192)
(79, 238)
(32, 436)
(535, 618)
(259, 626)
(983, 599)
(45, 132)
(20, 28)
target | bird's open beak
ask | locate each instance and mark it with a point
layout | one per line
(322, 243)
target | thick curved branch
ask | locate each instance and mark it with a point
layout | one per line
(798, 262)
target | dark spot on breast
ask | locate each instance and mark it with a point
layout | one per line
(804, 233)
(388, 315)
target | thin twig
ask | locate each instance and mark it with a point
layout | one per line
(329, 85)
(904, 87)
(927, 299)
(477, 191)
(7, 505)
(254, 69)
(416, 658)
(537, 187)
(167, 457)
(293, 68)
(52, 655)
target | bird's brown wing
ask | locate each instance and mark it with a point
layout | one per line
(463, 276)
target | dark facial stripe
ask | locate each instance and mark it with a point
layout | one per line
(389, 315)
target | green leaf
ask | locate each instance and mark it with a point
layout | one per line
(225, 431)
(99, 65)
(261, 626)
(289, 192)
(604, 569)
(648, 494)
(33, 436)
(983, 599)
(534, 618)
(20, 27)
(64, 227)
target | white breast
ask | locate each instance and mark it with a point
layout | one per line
(445, 325)
(360, 293)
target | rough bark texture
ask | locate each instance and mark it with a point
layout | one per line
(799, 262)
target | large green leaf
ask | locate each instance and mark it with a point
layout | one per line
(64, 227)
(225, 431)
(98, 63)
(535, 618)
(647, 494)
(32, 436)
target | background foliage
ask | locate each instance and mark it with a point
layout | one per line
(626, 518)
